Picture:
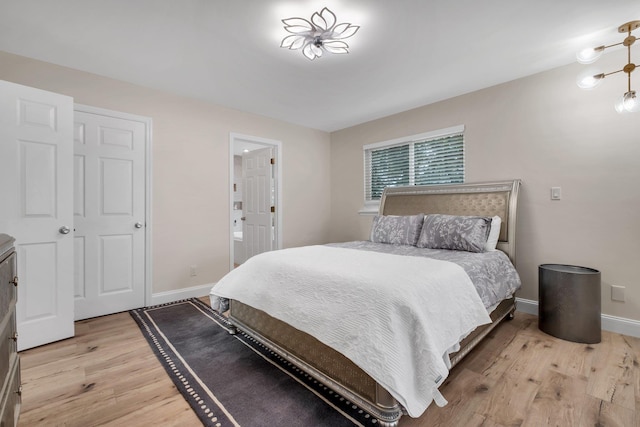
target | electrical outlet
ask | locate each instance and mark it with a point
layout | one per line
(194, 270)
(617, 293)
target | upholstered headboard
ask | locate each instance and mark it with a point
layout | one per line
(479, 199)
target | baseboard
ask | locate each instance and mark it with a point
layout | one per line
(610, 323)
(527, 306)
(178, 294)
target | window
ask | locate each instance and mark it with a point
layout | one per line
(426, 159)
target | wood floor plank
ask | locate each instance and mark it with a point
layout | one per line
(66, 411)
(560, 400)
(508, 403)
(140, 400)
(605, 414)
(490, 349)
(54, 390)
(166, 413)
(36, 357)
(615, 374)
(108, 376)
(464, 394)
(112, 375)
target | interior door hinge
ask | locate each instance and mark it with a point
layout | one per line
(273, 209)
(273, 161)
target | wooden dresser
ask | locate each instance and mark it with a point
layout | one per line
(10, 393)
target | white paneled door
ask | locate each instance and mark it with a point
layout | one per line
(258, 198)
(109, 212)
(36, 184)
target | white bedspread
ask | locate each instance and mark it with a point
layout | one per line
(397, 317)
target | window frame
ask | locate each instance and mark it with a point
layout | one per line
(371, 207)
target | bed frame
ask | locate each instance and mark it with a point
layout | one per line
(332, 368)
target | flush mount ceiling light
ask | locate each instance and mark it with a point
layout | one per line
(629, 102)
(321, 34)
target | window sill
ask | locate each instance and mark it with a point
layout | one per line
(370, 208)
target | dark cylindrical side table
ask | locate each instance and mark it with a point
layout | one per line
(570, 305)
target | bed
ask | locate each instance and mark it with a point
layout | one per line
(325, 354)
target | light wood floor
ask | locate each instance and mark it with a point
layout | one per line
(107, 375)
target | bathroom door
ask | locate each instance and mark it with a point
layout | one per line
(258, 195)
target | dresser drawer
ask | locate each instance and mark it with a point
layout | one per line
(10, 406)
(7, 346)
(8, 290)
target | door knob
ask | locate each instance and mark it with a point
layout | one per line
(64, 230)
(138, 225)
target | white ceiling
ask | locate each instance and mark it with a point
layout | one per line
(407, 53)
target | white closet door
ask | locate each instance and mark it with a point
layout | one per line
(36, 199)
(109, 212)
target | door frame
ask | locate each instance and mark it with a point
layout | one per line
(147, 122)
(277, 178)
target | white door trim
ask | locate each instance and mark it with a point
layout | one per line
(147, 121)
(277, 154)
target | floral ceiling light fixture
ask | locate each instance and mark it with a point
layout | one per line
(629, 102)
(321, 34)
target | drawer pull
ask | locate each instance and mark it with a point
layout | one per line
(14, 281)
(14, 337)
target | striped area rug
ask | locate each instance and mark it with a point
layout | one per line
(234, 381)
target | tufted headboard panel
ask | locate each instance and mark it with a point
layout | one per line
(479, 199)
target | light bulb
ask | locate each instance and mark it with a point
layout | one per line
(630, 102)
(589, 55)
(619, 105)
(589, 79)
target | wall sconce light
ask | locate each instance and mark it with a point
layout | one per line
(629, 102)
(321, 34)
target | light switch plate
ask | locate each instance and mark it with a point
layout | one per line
(556, 193)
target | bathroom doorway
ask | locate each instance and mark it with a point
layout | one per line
(256, 197)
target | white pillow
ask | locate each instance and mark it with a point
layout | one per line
(494, 234)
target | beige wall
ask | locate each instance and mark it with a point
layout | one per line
(190, 200)
(542, 129)
(546, 131)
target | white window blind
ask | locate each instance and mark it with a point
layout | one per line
(426, 159)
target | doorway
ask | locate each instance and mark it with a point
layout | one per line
(247, 218)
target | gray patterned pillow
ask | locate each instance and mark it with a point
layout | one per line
(459, 233)
(397, 230)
